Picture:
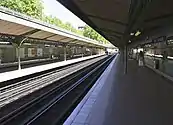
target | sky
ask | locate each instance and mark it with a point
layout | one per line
(54, 8)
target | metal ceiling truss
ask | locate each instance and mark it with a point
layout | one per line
(110, 31)
(137, 7)
(136, 20)
(53, 43)
(159, 18)
(80, 14)
(70, 41)
(111, 34)
(64, 38)
(107, 20)
(11, 38)
(144, 36)
(27, 34)
(45, 38)
(6, 38)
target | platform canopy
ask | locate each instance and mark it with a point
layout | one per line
(124, 22)
(16, 24)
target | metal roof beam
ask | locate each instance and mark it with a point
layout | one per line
(108, 20)
(49, 36)
(63, 38)
(159, 18)
(27, 34)
(110, 31)
(70, 41)
(118, 37)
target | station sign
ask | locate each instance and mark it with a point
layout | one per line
(159, 39)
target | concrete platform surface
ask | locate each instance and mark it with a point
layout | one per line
(141, 97)
(81, 113)
(28, 71)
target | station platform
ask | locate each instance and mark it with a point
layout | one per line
(10, 66)
(141, 97)
(24, 62)
(35, 69)
(6, 67)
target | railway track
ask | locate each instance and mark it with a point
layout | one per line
(54, 105)
(17, 90)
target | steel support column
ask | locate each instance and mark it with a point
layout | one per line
(125, 60)
(82, 51)
(65, 52)
(18, 49)
(100, 51)
(91, 52)
(122, 52)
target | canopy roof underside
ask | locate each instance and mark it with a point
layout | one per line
(16, 24)
(117, 19)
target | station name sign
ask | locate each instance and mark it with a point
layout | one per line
(159, 39)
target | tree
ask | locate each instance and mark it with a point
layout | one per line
(91, 33)
(52, 20)
(57, 22)
(32, 8)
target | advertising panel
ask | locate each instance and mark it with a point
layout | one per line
(31, 52)
(39, 52)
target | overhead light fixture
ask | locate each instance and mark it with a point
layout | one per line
(131, 34)
(137, 33)
(47, 45)
(4, 42)
(81, 27)
(27, 44)
(130, 41)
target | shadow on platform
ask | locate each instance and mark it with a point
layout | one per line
(141, 97)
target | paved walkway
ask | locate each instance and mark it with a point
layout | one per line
(141, 97)
(28, 71)
(81, 114)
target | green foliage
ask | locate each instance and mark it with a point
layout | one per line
(52, 20)
(55, 21)
(91, 33)
(32, 8)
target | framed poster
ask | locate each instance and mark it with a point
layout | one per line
(39, 52)
(31, 52)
